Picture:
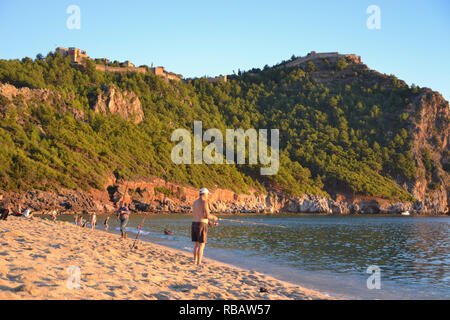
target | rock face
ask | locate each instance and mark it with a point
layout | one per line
(10, 91)
(35, 96)
(308, 204)
(64, 200)
(157, 195)
(127, 104)
(110, 101)
(430, 131)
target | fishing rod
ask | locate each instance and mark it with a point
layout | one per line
(139, 232)
(251, 222)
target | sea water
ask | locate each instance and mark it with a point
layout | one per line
(330, 254)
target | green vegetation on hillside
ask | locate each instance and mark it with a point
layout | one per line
(341, 127)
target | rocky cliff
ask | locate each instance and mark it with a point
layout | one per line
(20, 96)
(126, 104)
(110, 101)
(430, 131)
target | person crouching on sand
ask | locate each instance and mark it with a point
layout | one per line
(27, 213)
(199, 228)
(5, 211)
(18, 211)
(4, 208)
(123, 213)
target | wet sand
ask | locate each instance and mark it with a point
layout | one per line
(39, 259)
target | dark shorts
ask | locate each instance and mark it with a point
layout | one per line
(123, 225)
(199, 232)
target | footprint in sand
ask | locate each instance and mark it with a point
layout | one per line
(163, 296)
(183, 287)
(14, 277)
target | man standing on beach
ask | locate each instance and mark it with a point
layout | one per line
(123, 213)
(199, 229)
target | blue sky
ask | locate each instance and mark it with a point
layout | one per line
(197, 38)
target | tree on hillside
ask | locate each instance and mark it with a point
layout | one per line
(341, 64)
(310, 67)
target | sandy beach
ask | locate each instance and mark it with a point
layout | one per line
(40, 259)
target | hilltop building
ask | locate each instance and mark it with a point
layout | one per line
(127, 64)
(158, 71)
(77, 55)
(331, 56)
(161, 72)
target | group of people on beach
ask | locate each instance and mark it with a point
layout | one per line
(123, 214)
(6, 210)
(202, 218)
(80, 221)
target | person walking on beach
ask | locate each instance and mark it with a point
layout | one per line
(199, 227)
(54, 213)
(106, 223)
(76, 217)
(123, 213)
(93, 220)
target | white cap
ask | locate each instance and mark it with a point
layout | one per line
(204, 191)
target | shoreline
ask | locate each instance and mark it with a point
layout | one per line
(37, 252)
(240, 214)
